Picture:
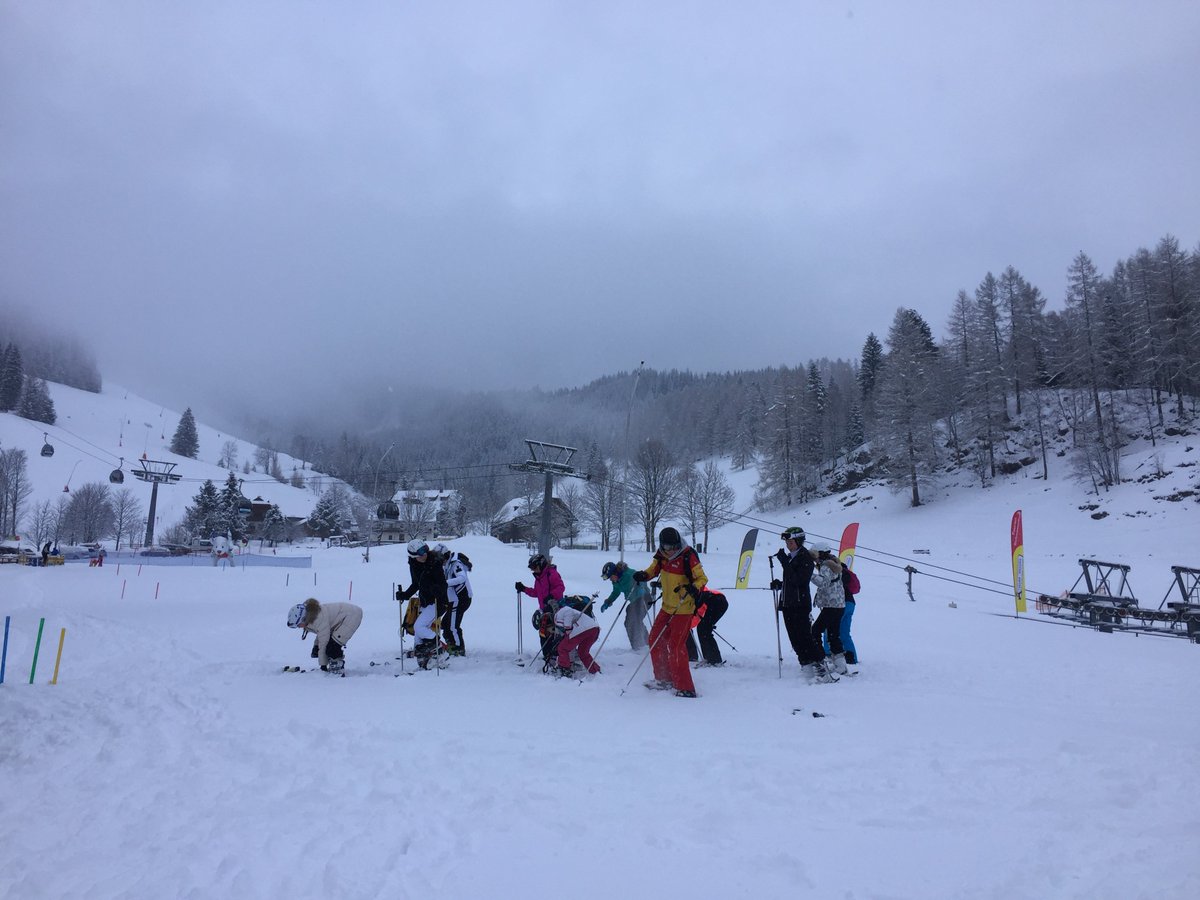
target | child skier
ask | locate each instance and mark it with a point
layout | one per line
(678, 569)
(333, 624)
(580, 631)
(429, 586)
(830, 598)
(548, 588)
(458, 593)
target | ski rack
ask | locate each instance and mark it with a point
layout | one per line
(1109, 604)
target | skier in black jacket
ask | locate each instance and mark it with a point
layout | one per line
(429, 584)
(796, 604)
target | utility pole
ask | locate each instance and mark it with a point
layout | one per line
(550, 460)
(156, 472)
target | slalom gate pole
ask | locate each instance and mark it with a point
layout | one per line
(36, 649)
(596, 655)
(649, 650)
(401, 629)
(520, 638)
(4, 653)
(775, 603)
(62, 636)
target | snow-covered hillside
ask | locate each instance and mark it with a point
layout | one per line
(97, 433)
(974, 755)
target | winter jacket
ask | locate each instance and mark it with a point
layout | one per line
(338, 621)
(428, 582)
(828, 578)
(574, 622)
(627, 586)
(456, 576)
(675, 573)
(797, 570)
(547, 585)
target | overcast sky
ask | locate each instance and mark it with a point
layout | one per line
(298, 194)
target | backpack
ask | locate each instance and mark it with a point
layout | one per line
(463, 558)
(576, 601)
(851, 582)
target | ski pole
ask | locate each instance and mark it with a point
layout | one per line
(775, 603)
(722, 637)
(649, 650)
(611, 627)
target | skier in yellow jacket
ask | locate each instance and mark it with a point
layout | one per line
(678, 569)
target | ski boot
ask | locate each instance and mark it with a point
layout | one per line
(691, 694)
(659, 684)
(839, 663)
(336, 667)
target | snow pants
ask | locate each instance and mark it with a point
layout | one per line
(635, 621)
(423, 626)
(581, 644)
(847, 641)
(668, 649)
(797, 620)
(828, 627)
(717, 607)
(452, 621)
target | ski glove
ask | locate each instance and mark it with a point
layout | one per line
(520, 587)
(400, 594)
(640, 576)
(605, 605)
(781, 556)
(776, 584)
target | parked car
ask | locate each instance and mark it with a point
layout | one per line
(71, 552)
(154, 551)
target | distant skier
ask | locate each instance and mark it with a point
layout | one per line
(333, 624)
(636, 594)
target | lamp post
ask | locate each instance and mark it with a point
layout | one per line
(375, 497)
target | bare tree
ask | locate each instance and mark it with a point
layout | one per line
(229, 455)
(14, 489)
(654, 485)
(90, 513)
(128, 514)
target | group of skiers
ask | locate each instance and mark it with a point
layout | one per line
(440, 588)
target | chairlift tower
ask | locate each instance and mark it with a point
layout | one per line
(156, 472)
(550, 460)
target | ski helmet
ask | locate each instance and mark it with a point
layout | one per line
(417, 547)
(537, 562)
(795, 533)
(296, 616)
(669, 539)
(609, 570)
(441, 550)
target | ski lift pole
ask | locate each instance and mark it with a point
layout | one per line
(775, 603)
(911, 571)
(649, 650)
(722, 637)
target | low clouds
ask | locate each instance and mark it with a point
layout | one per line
(277, 198)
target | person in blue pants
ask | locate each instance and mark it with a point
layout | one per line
(850, 583)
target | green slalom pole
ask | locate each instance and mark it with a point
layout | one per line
(36, 648)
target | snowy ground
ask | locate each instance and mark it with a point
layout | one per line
(974, 756)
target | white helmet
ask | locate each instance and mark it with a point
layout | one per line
(296, 616)
(417, 547)
(441, 550)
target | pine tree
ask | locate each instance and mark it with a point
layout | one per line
(12, 378)
(909, 401)
(232, 521)
(204, 517)
(186, 442)
(36, 403)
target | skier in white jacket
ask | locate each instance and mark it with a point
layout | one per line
(580, 631)
(332, 623)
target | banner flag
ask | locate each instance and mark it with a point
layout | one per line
(743, 569)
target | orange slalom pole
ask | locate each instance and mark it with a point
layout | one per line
(62, 636)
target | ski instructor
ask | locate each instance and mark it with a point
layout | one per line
(678, 569)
